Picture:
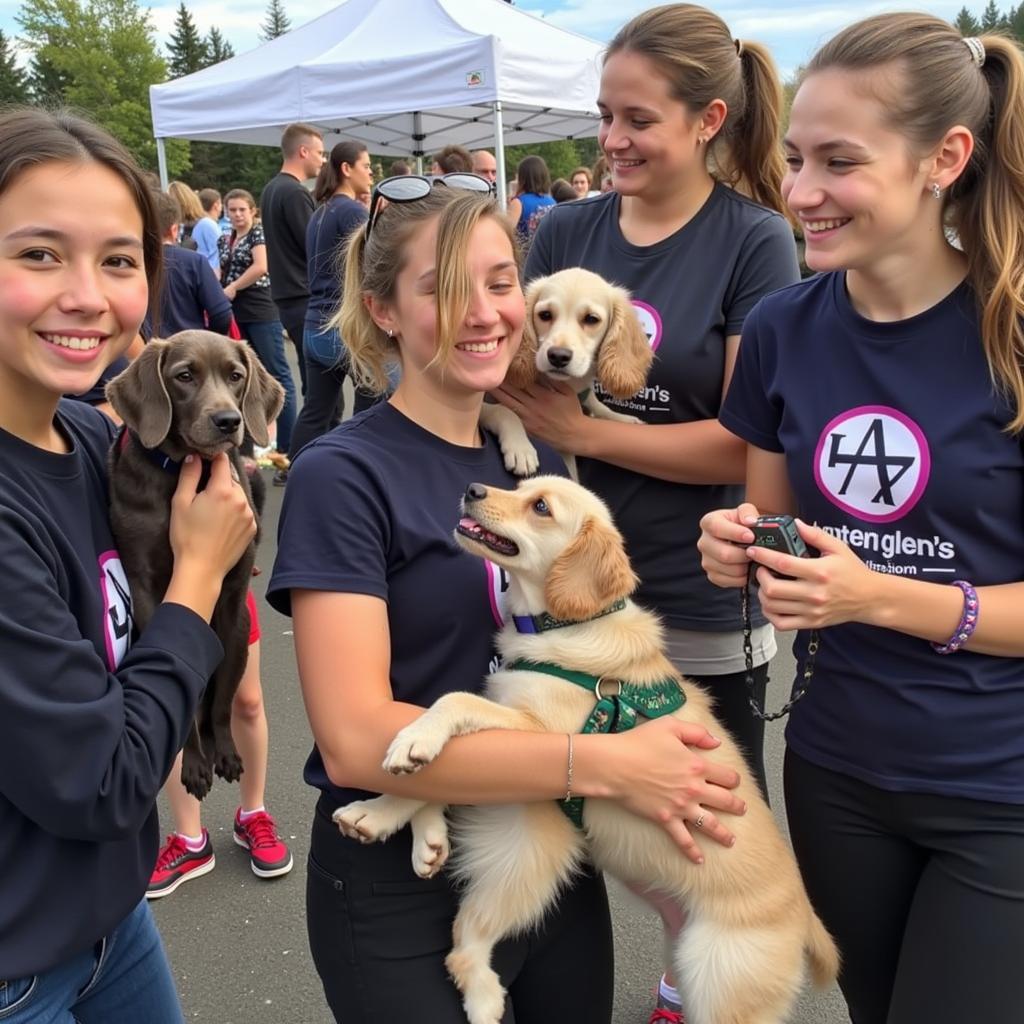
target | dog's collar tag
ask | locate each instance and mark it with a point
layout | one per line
(545, 621)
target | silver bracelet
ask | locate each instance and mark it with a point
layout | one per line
(568, 779)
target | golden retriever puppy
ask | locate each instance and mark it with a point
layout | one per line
(579, 329)
(749, 928)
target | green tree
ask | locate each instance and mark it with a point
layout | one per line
(13, 80)
(187, 50)
(966, 23)
(277, 22)
(561, 156)
(101, 57)
(1015, 22)
(217, 48)
(992, 19)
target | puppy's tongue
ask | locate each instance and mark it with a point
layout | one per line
(468, 524)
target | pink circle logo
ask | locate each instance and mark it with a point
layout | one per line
(650, 322)
(873, 462)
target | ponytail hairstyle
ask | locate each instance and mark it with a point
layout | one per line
(695, 51)
(188, 201)
(331, 174)
(943, 81)
(372, 269)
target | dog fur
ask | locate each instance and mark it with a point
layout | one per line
(749, 928)
(579, 328)
(169, 399)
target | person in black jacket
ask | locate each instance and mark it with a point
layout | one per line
(286, 206)
(91, 716)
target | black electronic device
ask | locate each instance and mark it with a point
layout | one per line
(779, 533)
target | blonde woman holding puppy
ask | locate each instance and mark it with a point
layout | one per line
(390, 613)
(883, 402)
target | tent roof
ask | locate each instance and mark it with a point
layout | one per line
(403, 76)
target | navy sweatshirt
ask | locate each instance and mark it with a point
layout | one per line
(89, 721)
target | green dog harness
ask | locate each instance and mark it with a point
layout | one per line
(614, 712)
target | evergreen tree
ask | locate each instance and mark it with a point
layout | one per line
(186, 49)
(1015, 22)
(13, 81)
(277, 22)
(217, 48)
(101, 57)
(967, 24)
(992, 19)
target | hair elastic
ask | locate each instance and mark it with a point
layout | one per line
(977, 48)
(968, 620)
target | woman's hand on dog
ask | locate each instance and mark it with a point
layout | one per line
(550, 411)
(661, 778)
(209, 532)
(724, 538)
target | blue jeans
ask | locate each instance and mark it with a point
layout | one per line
(124, 979)
(267, 338)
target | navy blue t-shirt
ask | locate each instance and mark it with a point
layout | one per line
(191, 297)
(90, 721)
(690, 291)
(326, 237)
(370, 509)
(894, 442)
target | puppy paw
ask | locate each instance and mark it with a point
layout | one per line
(415, 746)
(522, 460)
(483, 997)
(366, 821)
(196, 776)
(430, 847)
(228, 765)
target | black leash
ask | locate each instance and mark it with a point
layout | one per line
(748, 654)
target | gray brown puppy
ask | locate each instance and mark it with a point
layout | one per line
(195, 392)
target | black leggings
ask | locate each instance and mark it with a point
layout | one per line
(924, 895)
(379, 936)
(324, 405)
(732, 706)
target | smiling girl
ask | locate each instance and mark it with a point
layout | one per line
(883, 401)
(89, 721)
(390, 613)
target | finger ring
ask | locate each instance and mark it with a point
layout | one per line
(699, 823)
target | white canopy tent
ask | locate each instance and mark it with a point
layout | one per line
(403, 76)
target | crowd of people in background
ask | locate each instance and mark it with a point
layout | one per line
(900, 362)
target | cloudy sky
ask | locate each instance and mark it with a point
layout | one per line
(792, 28)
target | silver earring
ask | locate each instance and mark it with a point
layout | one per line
(936, 191)
(391, 333)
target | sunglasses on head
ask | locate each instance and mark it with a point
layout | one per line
(407, 188)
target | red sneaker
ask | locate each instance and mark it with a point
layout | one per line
(176, 863)
(268, 855)
(664, 1014)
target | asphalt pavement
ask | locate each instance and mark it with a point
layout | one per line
(237, 943)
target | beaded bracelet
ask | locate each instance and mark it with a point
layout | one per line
(968, 620)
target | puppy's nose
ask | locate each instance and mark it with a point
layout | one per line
(559, 357)
(226, 421)
(476, 492)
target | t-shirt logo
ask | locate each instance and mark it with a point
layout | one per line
(117, 604)
(497, 590)
(872, 462)
(650, 322)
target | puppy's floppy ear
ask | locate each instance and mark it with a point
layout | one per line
(139, 395)
(522, 371)
(262, 399)
(592, 573)
(625, 355)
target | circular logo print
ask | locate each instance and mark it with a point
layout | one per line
(650, 322)
(872, 462)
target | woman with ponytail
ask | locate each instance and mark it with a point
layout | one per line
(345, 175)
(693, 228)
(883, 402)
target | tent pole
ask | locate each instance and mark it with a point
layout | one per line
(417, 134)
(499, 155)
(161, 161)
